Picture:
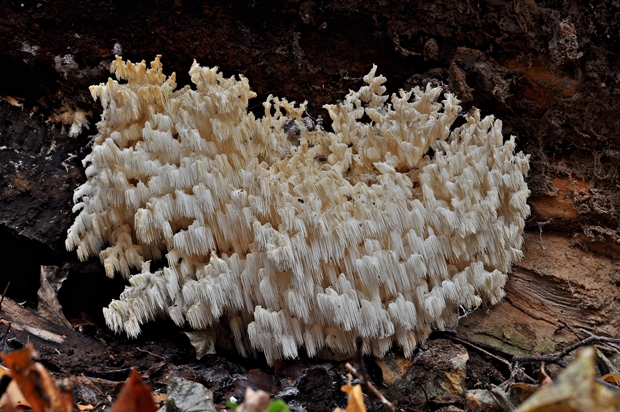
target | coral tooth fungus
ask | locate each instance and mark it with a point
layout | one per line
(304, 239)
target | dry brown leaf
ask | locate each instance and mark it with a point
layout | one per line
(203, 341)
(544, 378)
(524, 390)
(14, 101)
(356, 399)
(613, 378)
(575, 390)
(546, 381)
(3, 370)
(12, 398)
(36, 384)
(136, 396)
(51, 278)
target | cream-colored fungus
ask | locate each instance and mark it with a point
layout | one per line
(297, 236)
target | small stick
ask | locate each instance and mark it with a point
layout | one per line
(359, 342)
(591, 338)
(557, 358)
(567, 326)
(371, 388)
(3, 340)
(611, 342)
(540, 358)
(153, 354)
(514, 369)
(481, 350)
(540, 226)
(6, 288)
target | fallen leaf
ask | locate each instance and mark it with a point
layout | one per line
(65, 389)
(613, 378)
(546, 381)
(135, 396)
(88, 407)
(524, 390)
(11, 398)
(575, 390)
(51, 280)
(153, 370)
(203, 342)
(544, 378)
(35, 382)
(356, 399)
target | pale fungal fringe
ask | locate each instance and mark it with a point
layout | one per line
(303, 238)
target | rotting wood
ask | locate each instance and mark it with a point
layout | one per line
(560, 284)
(69, 347)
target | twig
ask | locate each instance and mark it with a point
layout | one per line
(540, 226)
(512, 367)
(111, 372)
(6, 288)
(425, 398)
(359, 342)
(567, 326)
(151, 353)
(516, 369)
(557, 357)
(371, 388)
(102, 381)
(540, 358)
(611, 342)
(506, 362)
(4, 340)
(590, 339)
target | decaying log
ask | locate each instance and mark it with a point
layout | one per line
(62, 349)
(557, 281)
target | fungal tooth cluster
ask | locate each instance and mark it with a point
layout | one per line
(296, 236)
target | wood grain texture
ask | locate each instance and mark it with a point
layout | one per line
(557, 281)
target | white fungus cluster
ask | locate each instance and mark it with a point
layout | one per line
(297, 236)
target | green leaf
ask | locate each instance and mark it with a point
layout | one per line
(278, 406)
(231, 405)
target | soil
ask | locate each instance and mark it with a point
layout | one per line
(548, 69)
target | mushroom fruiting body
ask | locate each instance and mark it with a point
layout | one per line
(298, 236)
